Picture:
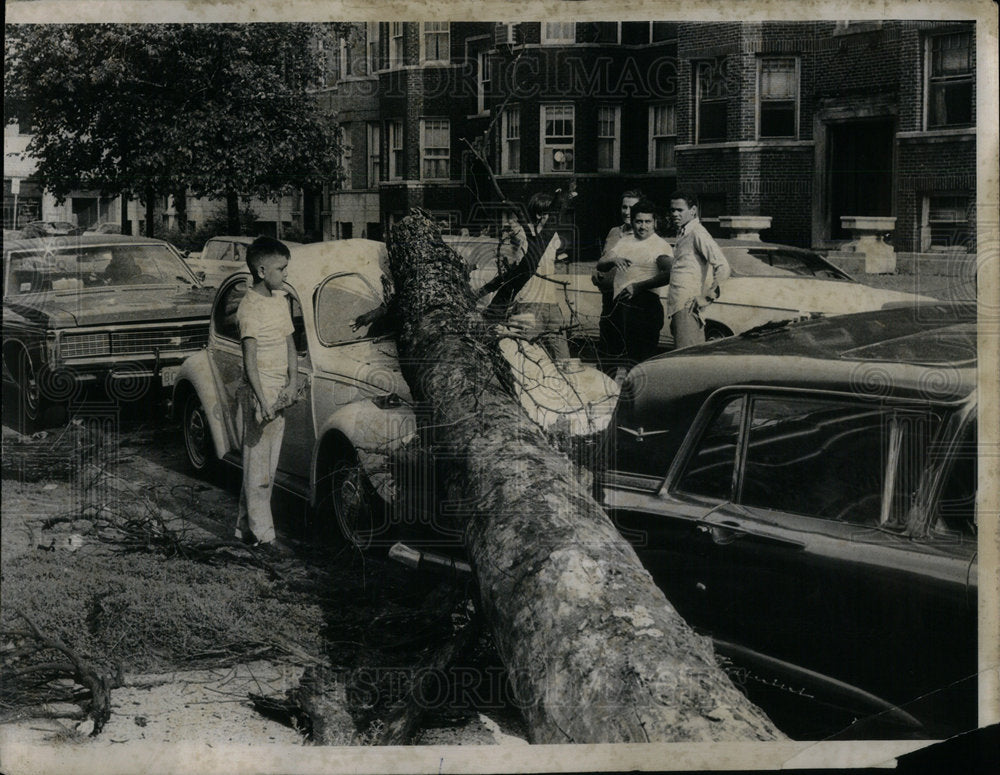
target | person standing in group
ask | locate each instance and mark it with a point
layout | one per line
(270, 375)
(525, 287)
(642, 263)
(611, 345)
(698, 271)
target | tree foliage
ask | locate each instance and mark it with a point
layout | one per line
(215, 109)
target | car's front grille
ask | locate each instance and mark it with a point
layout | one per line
(164, 340)
(145, 341)
(85, 345)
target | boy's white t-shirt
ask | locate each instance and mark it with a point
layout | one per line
(268, 320)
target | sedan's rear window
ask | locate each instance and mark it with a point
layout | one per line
(768, 262)
(77, 268)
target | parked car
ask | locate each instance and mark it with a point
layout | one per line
(108, 227)
(357, 409)
(769, 283)
(49, 229)
(222, 256)
(107, 310)
(806, 496)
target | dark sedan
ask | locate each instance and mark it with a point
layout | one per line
(107, 310)
(806, 496)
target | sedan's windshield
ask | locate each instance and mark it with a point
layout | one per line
(80, 267)
(767, 262)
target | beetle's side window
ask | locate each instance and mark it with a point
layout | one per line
(348, 309)
(225, 321)
(709, 470)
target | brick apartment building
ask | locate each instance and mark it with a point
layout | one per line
(803, 122)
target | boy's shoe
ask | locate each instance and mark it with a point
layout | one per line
(275, 549)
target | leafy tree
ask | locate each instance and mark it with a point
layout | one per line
(221, 111)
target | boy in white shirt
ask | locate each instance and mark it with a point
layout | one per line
(270, 375)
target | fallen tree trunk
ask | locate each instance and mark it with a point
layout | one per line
(593, 649)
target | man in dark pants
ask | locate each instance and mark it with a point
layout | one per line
(612, 346)
(642, 262)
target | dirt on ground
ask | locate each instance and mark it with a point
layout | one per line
(110, 545)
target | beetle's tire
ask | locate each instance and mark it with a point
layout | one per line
(361, 516)
(198, 437)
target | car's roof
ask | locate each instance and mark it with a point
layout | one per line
(923, 350)
(243, 239)
(315, 261)
(83, 240)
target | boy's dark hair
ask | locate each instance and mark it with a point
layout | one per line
(644, 206)
(690, 199)
(539, 204)
(265, 247)
(632, 193)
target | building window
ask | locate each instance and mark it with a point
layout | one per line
(396, 44)
(662, 136)
(505, 34)
(483, 78)
(663, 31)
(710, 102)
(374, 153)
(395, 150)
(557, 138)
(435, 148)
(599, 32)
(510, 148)
(950, 77)
(608, 132)
(558, 33)
(435, 42)
(372, 29)
(945, 223)
(345, 58)
(778, 95)
(346, 149)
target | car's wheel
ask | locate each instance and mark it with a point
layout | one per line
(715, 330)
(359, 512)
(198, 436)
(35, 409)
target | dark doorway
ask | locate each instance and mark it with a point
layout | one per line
(860, 171)
(86, 211)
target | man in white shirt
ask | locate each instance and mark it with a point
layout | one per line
(699, 268)
(642, 262)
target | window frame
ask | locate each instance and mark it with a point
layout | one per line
(926, 238)
(545, 145)
(372, 35)
(700, 101)
(374, 145)
(510, 155)
(484, 79)
(346, 156)
(760, 102)
(546, 40)
(930, 80)
(397, 45)
(345, 59)
(615, 137)
(395, 133)
(425, 157)
(651, 151)
(424, 32)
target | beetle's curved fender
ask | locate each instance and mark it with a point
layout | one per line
(374, 433)
(196, 373)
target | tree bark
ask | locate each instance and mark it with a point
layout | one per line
(233, 212)
(150, 212)
(594, 651)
